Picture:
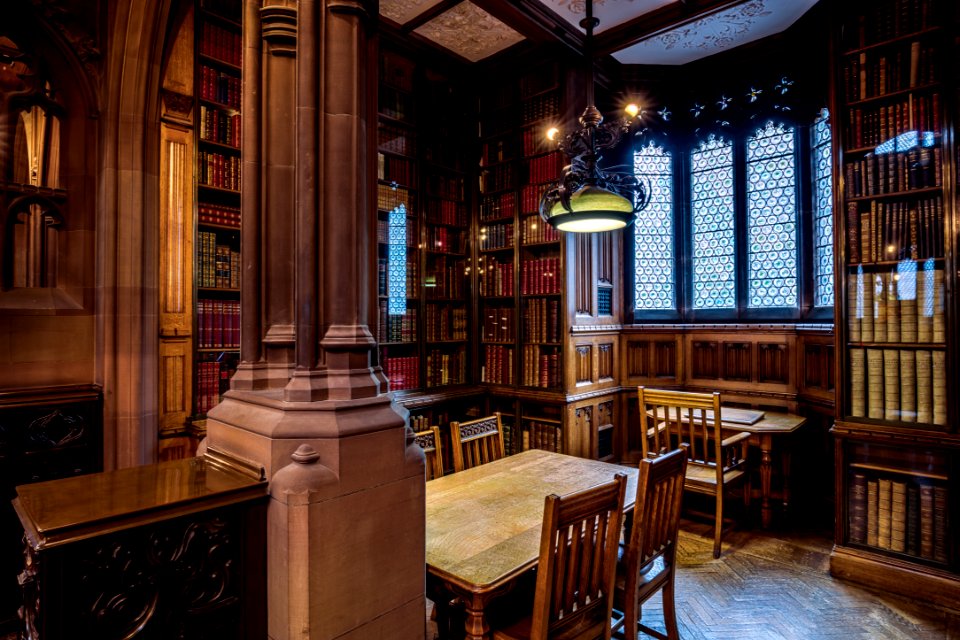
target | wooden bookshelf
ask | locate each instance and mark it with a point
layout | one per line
(897, 443)
(217, 267)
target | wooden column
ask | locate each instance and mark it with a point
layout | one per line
(346, 516)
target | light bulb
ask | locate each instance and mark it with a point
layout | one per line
(632, 110)
(552, 133)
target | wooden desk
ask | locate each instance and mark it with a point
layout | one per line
(762, 433)
(484, 524)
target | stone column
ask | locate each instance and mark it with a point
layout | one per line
(346, 517)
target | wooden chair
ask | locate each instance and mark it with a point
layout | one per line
(714, 463)
(429, 441)
(476, 442)
(648, 562)
(579, 541)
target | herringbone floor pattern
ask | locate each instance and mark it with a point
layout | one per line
(778, 587)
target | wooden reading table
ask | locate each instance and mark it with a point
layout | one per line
(763, 426)
(484, 524)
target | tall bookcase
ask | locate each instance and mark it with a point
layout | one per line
(423, 240)
(218, 32)
(897, 442)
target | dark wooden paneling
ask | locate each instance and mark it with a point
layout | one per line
(605, 257)
(583, 263)
(638, 358)
(584, 363)
(773, 362)
(604, 361)
(738, 361)
(705, 359)
(665, 359)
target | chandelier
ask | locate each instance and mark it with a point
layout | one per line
(586, 198)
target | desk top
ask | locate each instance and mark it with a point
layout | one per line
(484, 524)
(771, 422)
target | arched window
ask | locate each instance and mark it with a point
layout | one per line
(822, 212)
(713, 218)
(654, 271)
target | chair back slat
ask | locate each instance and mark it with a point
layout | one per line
(429, 441)
(578, 554)
(657, 510)
(476, 442)
(679, 416)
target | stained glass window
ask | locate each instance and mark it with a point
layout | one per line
(397, 260)
(822, 213)
(772, 278)
(653, 231)
(712, 206)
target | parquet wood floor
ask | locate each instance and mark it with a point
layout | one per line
(777, 586)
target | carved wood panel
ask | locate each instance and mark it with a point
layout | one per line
(175, 388)
(605, 361)
(638, 358)
(773, 362)
(605, 257)
(818, 370)
(737, 361)
(705, 359)
(583, 356)
(583, 265)
(176, 231)
(665, 359)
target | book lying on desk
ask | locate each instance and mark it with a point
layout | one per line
(730, 415)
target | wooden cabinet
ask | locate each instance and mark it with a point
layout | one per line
(897, 441)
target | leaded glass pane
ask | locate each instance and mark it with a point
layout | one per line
(653, 232)
(822, 213)
(772, 270)
(397, 260)
(712, 208)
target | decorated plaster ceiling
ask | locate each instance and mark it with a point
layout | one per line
(716, 32)
(403, 11)
(610, 13)
(470, 32)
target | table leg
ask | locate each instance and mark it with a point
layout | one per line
(476, 623)
(766, 447)
(785, 461)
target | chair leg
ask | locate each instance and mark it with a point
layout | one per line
(718, 526)
(670, 611)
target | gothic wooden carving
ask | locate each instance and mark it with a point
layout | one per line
(665, 359)
(818, 371)
(605, 361)
(772, 362)
(705, 360)
(605, 257)
(737, 361)
(605, 414)
(71, 20)
(584, 362)
(638, 358)
(177, 107)
(583, 260)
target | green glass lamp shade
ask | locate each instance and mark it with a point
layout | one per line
(592, 209)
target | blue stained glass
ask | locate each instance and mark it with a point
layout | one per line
(397, 260)
(711, 182)
(771, 218)
(822, 212)
(653, 232)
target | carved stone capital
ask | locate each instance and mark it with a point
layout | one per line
(279, 29)
(177, 108)
(361, 8)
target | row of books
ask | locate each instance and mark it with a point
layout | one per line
(904, 306)
(402, 372)
(496, 151)
(872, 126)
(883, 173)
(544, 169)
(218, 324)
(211, 376)
(498, 323)
(497, 365)
(410, 279)
(445, 368)
(219, 86)
(496, 278)
(445, 239)
(536, 231)
(899, 384)
(541, 320)
(530, 197)
(218, 265)
(540, 107)
(218, 170)
(900, 514)
(222, 44)
(394, 169)
(541, 366)
(391, 196)
(496, 236)
(397, 327)
(445, 186)
(541, 435)
(407, 235)
(889, 19)
(886, 231)
(216, 125)
(497, 178)
(395, 139)
(911, 65)
(540, 276)
(503, 205)
(446, 323)
(446, 212)
(218, 214)
(535, 141)
(395, 104)
(445, 278)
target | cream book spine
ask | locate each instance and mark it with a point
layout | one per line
(858, 391)
(908, 386)
(875, 383)
(891, 384)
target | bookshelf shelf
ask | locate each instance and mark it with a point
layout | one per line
(219, 105)
(212, 60)
(213, 189)
(219, 145)
(896, 443)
